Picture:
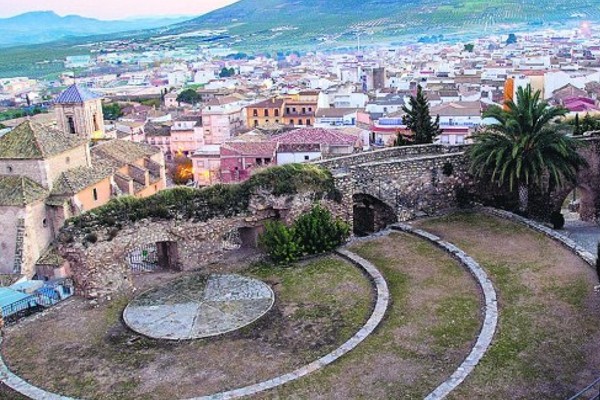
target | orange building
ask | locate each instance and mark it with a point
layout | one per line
(266, 112)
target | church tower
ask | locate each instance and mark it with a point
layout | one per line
(79, 112)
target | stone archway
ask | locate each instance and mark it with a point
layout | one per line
(371, 214)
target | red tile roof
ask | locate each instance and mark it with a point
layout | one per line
(250, 148)
(316, 135)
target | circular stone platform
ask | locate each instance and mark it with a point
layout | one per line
(199, 306)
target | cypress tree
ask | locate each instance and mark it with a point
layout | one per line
(418, 119)
(577, 126)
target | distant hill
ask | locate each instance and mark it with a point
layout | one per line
(46, 26)
(282, 25)
(288, 23)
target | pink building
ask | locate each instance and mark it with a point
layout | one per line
(240, 159)
(187, 134)
(222, 118)
(206, 162)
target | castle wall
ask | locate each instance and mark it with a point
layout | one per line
(100, 268)
(9, 220)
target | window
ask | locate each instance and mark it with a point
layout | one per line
(276, 121)
(303, 110)
(266, 121)
(287, 110)
(266, 113)
(291, 122)
(255, 122)
(95, 194)
(276, 112)
(309, 109)
(306, 158)
(255, 113)
(45, 223)
(9, 169)
(308, 122)
(96, 125)
(71, 123)
(293, 109)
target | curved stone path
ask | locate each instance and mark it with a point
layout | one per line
(490, 322)
(381, 304)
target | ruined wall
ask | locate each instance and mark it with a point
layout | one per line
(100, 269)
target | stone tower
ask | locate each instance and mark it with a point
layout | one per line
(79, 112)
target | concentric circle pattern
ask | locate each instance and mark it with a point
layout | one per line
(199, 306)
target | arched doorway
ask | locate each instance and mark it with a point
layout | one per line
(579, 204)
(154, 257)
(371, 215)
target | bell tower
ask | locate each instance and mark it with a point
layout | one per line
(79, 112)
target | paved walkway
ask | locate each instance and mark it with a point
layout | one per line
(586, 234)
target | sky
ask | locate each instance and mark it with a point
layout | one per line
(113, 9)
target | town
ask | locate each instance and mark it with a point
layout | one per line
(143, 162)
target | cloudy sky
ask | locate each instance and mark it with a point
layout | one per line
(112, 9)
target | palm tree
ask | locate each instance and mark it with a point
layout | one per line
(522, 148)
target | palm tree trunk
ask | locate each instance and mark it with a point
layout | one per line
(523, 197)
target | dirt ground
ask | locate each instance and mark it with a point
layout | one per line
(549, 327)
(432, 322)
(81, 351)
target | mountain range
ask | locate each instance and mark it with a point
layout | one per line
(279, 25)
(46, 26)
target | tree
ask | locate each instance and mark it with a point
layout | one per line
(112, 111)
(418, 119)
(512, 38)
(401, 140)
(226, 72)
(588, 124)
(189, 96)
(522, 148)
(577, 131)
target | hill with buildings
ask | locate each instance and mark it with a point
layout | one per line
(309, 25)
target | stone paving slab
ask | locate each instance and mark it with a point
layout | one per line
(195, 307)
(381, 305)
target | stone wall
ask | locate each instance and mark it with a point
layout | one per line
(343, 163)
(412, 185)
(100, 269)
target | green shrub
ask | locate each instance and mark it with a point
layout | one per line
(280, 243)
(313, 233)
(214, 201)
(318, 232)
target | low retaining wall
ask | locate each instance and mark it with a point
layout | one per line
(585, 255)
(490, 322)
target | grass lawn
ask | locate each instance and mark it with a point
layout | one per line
(549, 325)
(432, 322)
(84, 352)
